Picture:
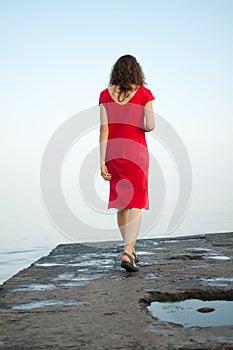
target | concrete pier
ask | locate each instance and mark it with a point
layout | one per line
(78, 297)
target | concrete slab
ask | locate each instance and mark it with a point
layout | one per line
(78, 297)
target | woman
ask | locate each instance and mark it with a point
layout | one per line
(125, 114)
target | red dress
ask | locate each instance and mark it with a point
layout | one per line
(127, 157)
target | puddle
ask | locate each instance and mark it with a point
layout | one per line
(70, 280)
(219, 282)
(67, 256)
(151, 275)
(74, 284)
(51, 264)
(64, 277)
(171, 241)
(86, 256)
(106, 263)
(44, 303)
(140, 252)
(96, 257)
(183, 240)
(147, 242)
(73, 277)
(185, 312)
(218, 257)
(143, 263)
(199, 266)
(50, 287)
(199, 249)
(34, 287)
(179, 240)
(95, 263)
(109, 255)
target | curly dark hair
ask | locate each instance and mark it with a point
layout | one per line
(125, 72)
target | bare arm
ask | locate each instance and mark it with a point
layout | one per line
(103, 138)
(149, 123)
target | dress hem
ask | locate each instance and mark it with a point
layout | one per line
(136, 207)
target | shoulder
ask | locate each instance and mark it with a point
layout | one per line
(146, 91)
(103, 97)
(146, 95)
(103, 92)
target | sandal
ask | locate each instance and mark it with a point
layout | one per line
(135, 256)
(129, 266)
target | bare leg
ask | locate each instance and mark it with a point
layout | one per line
(122, 215)
(132, 227)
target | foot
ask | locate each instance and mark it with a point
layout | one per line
(128, 263)
(135, 256)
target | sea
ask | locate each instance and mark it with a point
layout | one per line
(18, 251)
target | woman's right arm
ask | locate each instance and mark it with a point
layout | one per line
(103, 138)
(149, 123)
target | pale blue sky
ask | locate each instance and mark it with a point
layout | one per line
(56, 57)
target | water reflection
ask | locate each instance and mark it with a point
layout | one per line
(185, 312)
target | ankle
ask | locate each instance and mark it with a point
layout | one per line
(128, 251)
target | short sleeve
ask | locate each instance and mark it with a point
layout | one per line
(148, 96)
(101, 98)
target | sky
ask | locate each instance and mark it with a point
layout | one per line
(56, 57)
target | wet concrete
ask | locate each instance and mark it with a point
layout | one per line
(78, 297)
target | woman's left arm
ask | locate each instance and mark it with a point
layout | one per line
(149, 123)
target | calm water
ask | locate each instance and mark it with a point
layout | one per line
(185, 312)
(16, 255)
